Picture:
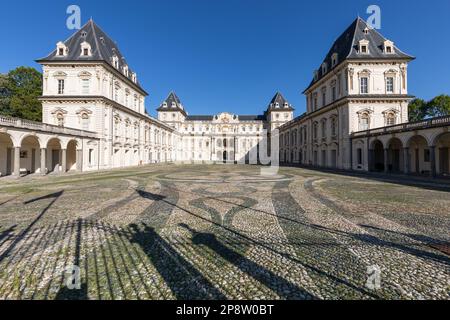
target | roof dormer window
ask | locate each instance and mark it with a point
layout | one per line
(364, 46)
(316, 75)
(125, 70)
(388, 47)
(366, 30)
(277, 105)
(85, 49)
(134, 77)
(115, 61)
(334, 60)
(324, 68)
(61, 49)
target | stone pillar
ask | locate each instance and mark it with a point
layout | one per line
(16, 161)
(406, 160)
(433, 161)
(370, 160)
(43, 161)
(79, 160)
(386, 158)
(64, 160)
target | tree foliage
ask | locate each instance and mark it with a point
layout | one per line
(19, 93)
(437, 107)
(417, 110)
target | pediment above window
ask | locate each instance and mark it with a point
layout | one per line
(83, 110)
(364, 73)
(59, 110)
(365, 111)
(84, 74)
(391, 72)
(60, 74)
(390, 111)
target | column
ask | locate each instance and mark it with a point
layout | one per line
(16, 161)
(43, 161)
(80, 160)
(64, 160)
(386, 152)
(433, 161)
(406, 160)
(370, 160)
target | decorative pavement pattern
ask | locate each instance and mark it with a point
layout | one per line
(223, 232)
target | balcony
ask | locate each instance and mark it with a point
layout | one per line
(409, 126)
(48, 128)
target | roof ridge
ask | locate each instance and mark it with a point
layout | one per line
(95, 38)
(354, 36)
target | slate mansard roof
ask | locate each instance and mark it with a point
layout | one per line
(347, 46)
(278, 103)
(173, 104)
(103, 49)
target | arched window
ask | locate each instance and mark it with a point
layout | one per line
(85, 121)
(364, 121)
(60, 119)
(333, 126)
(315, 130)
(390, 119)
(224, 143)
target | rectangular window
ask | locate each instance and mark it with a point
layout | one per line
(85, 84)
(324, 99)
(364, 124)
(390, 85)
(333, 90)
(85, 52)
(364, 85)
(91, 153)
(359, 156)
(426, 155)
(61, 52)
(60, 86)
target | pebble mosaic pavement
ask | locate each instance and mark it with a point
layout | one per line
(223, 232)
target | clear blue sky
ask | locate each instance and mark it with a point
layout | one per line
(232, 55)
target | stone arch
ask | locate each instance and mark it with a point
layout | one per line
(419, 154)
(376, 156)
(54, 154)
(441, 143)
(72, 159)
(394, 155)
(28, 135)
(333, 155)
(6, 154)
(30, 153)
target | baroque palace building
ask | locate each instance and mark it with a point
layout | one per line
(94, 116)
(357, 113)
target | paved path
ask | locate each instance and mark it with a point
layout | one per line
(223, 232)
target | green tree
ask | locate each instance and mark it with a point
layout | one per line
(417, 109)
(439, 106)
(25, 85)
(5, 96)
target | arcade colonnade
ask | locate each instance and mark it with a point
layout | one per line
(420, 148)
(28, 147)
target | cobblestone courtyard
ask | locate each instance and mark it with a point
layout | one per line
(223, 232)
